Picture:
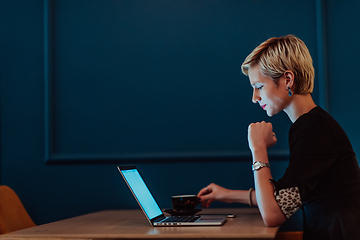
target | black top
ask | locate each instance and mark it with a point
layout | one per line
(323, 178)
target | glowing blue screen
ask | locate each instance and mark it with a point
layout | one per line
(142, 193)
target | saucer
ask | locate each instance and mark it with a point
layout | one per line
(189, 212)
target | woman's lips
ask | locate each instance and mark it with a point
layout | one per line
(263, 106)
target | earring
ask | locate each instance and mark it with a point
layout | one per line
(289, 91)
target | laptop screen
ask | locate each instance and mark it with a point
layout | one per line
(141, 192)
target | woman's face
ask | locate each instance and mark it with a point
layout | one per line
(271, 97)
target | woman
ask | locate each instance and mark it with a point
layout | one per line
(323, 176)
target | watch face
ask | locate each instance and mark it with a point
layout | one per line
(256, 166)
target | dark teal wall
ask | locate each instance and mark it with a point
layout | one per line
(87, 85)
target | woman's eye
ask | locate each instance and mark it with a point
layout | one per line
(259, 88)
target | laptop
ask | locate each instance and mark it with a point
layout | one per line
(153, 212)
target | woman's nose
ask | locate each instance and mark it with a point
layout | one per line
(255, 97)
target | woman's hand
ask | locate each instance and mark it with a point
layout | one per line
(261, 135)
(213, 192)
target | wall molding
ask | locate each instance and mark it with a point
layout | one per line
(53, 157)
(48, 78)
(322, 50)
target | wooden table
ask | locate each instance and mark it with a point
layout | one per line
(132, 224)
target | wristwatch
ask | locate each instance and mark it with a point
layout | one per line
(257, 165)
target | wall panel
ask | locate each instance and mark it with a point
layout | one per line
(157, 80)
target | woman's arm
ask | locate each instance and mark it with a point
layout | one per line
(261, 137)
(269, 209)
(214, 192)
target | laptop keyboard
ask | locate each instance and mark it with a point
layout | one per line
(181, 219)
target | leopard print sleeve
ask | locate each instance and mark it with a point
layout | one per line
(288, 199)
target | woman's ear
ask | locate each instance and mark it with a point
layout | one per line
(289, 78)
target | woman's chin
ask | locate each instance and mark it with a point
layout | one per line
(270, 113)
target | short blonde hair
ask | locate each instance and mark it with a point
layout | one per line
(277, 55)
